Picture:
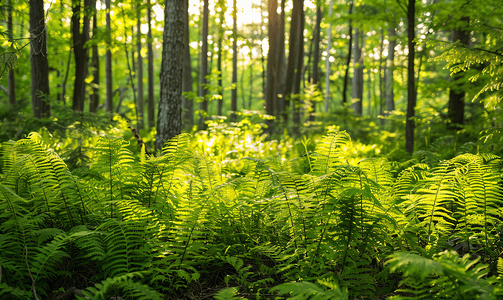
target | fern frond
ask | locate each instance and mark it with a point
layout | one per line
(307, 290)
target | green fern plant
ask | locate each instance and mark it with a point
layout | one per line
(446, 276)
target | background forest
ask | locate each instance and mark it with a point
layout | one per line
(333, 149)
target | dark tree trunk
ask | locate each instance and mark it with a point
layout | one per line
(80, 51)
(348, 60)
(11, 79)
(411, 89)
(150, 69)
(272, 64)
(390, 67)
(381, 77)
(139, 75)
(280, 102)
(39, 64)
(109, 103)
(456, 105)
(295, 59)
(315, 77)
(204, 68)
(95, 63)
(169, 119)
(357, 86)
(234, 93)
(219, 60)
(188, 105)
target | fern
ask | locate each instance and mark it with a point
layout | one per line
(445, 276)
(308, 290)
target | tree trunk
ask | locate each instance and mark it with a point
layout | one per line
(219, 59)
(81, 53)
(109, 102)
(280, 102)
(381, 79)
(39, 64)
(234, 92)
(456, 105)
(139, 75)
(188, 105)
(95, 63)
(357, 86)
(11, 79)
(315, 77)
(150, 69)
(272, 61)
(169, 119)
(348, 59)
(295, 59)
(203, 107)
(411, 89)
(390, 67)
(327, 61)
(251, 80)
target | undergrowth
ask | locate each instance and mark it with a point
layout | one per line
(229, 214)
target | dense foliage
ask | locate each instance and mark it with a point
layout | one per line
(226, 213)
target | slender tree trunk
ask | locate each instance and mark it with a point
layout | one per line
(411, 89)
(272, 63)
(80, 52)
(348, 60)
(139, 75)
(38, 61)
(251, 81)
(315, 77)
(381, 81)
(169, 119)
(109, 102)
(456, 105)
(280, 102)
(150, 69)
(357, 86)
(327, 61)
(95, 63)
(219, 60)
(188, 104)
(11, 79)
(204, 68)
(295, 58)
(390, 67)
(262, 56)
(234, 92)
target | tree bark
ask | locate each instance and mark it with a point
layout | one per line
(219, 59)
(295, 59)
(109, 104)
(390, 67)
(169, 119)
(203, 107)
(315, 77)
(411, 89)
(150, 69)
(234, 93)
(95, 63)
(39, 65)
(357, 86)
(272, 61)
(80, 51)
(187, 104)
(348, 59)
(456, 105)
(139, 75)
